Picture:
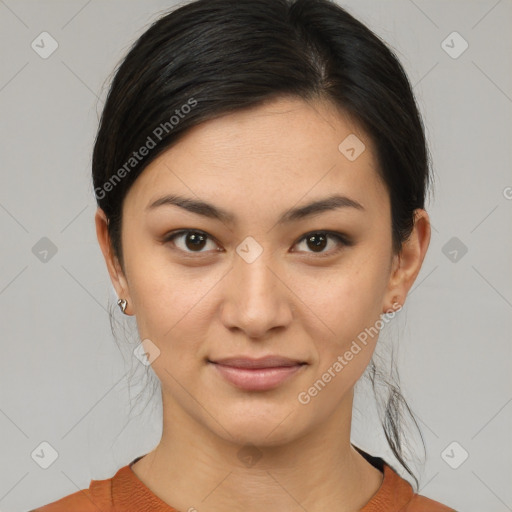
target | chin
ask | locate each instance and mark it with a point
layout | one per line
(268, 429)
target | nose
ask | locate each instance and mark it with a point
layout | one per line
(256, 297)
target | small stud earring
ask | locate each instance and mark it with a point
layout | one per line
(122, 303)
(395, 306)
(396, 303)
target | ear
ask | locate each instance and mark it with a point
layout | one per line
(407, 264)
(114, 267)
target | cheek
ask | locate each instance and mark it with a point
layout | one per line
(346, 298)
(166, 304)
(172, 304)
(347, 307)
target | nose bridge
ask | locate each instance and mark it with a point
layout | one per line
(252, 262)
(257, 301)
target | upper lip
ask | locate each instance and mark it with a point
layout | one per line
(272, 361)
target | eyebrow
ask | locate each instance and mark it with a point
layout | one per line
(293, 214)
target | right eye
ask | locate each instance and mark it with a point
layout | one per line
(189, 241)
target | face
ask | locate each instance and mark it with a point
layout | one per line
(260, 280)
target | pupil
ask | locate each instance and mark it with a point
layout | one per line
(321, 241)
(196, 239)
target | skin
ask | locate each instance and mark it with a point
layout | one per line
(290, 301)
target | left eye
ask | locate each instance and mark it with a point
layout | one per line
(319, 240)
(194, 241)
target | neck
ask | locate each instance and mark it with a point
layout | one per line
(192, 468)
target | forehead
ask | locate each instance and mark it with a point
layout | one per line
(284, 152)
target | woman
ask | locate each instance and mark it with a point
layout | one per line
(260, 171)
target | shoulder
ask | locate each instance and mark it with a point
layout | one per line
(97, 497)
(397, 494)
(420, 503)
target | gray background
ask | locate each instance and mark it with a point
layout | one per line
(63, 379)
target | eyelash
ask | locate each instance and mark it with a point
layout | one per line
(342, 240)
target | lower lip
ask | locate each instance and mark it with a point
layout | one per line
(257, 379)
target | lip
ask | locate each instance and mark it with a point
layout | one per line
(257, 374)
(271, 361)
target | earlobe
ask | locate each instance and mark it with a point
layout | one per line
(113, 266)
(407, 264)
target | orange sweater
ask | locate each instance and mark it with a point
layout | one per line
(124, 492)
